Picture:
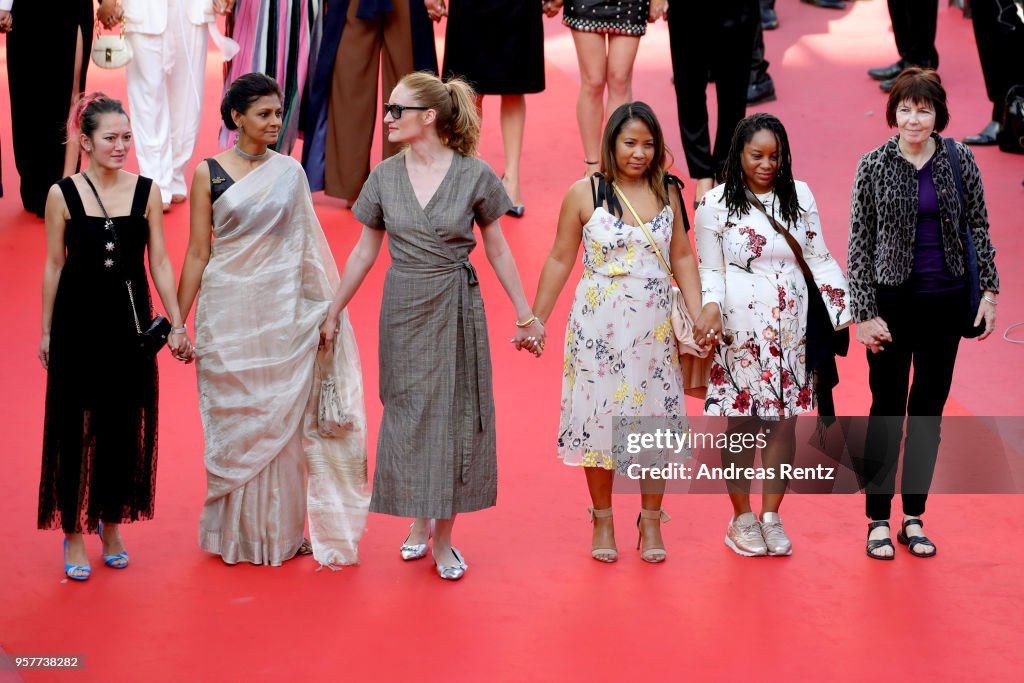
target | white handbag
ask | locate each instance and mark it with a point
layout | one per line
(112, 51)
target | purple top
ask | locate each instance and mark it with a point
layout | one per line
(930, 273)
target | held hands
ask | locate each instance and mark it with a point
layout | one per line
(109, 13)
(872, 333)
(707, 329)
(550, 7)
(436, 9)
(181, 347)
(6, 21)
(987, 313)
(659, 10)
(530, 338)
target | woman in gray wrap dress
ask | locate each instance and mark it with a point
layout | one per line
(436, 453)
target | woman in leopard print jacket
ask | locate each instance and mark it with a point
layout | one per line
(906, 273)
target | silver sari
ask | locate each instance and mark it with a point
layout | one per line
(265, 292)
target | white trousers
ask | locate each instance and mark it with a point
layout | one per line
(165, 93)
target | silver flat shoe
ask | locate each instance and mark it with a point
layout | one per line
(452, 572)
(419, 550)
(775, 537)
(744, 536)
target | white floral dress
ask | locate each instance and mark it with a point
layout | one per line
(750, 271)
(620, 355)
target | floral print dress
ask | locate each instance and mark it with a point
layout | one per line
(620, 358)
(750, 271)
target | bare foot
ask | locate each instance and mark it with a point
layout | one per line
(112, 544)
(877, 534)
(166, 207)
(602, 543)
(177, 198)
(76, 554)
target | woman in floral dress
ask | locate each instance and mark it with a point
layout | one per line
(621, 359)
(754, 291)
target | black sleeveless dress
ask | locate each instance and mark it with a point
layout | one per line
(99, 434)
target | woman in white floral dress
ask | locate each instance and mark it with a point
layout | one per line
(621, 359)
(755, 292)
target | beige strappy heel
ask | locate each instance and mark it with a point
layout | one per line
(652, 555)
(602, 554)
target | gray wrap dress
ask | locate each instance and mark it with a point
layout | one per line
(436, 451)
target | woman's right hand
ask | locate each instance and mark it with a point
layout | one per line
(707, 329)
(44, 351)
(871, 333)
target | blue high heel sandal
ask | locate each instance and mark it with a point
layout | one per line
(112, 560)
(68, 568)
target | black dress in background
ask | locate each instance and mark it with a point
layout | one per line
(496, 45)
(42, 46)
(99, 433)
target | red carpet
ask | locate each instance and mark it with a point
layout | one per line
(534, 606)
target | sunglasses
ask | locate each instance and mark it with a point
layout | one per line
(396, 110)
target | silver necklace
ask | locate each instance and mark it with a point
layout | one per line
(251, 157)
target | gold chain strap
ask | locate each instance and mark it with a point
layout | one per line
(643, 226)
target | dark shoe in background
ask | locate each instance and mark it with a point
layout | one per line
(887, 84)
(987, 136)
(826, 4)
(761, 92)
(769, 20)
(884, 73)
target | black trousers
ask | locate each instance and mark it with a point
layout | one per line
(999, 34)
(922, 338)
(711, 38)
(42, 45)
(913, 25)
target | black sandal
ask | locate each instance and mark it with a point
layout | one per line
(875, 544)
(912, 541)
(306, 548)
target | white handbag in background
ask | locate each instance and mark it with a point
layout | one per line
(111, 51)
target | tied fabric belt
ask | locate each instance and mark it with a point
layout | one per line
(474, 336)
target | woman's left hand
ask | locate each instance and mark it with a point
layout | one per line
(530, 338)
(550, 7)
(659, 10)
(436, 9)
(986, 313)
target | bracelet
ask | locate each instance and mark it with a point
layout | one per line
(180, 330)
(989, 299)
(529, 322)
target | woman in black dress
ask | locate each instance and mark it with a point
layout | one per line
(497, 46)
(54, 43)
(99, 435)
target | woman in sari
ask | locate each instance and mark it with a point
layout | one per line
(267, 283)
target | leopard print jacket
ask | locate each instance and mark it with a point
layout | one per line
(883, 222)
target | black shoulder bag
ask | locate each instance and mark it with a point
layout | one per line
(154, 337)
(972, 277)
(824, 342)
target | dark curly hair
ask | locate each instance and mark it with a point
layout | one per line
(735, 180)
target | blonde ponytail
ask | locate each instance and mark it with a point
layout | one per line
(458, 121)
